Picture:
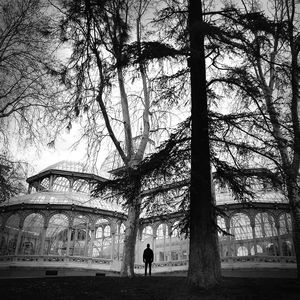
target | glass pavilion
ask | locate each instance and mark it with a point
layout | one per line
(58, 221)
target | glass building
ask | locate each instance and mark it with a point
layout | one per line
(59, 224)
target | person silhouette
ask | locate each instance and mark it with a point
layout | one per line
(148, 259)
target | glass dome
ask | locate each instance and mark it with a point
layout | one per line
(75, 166)
(67, 165)
(64, 198)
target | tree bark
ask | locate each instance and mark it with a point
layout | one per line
(294, 199)
(204, 260)
(127, 266)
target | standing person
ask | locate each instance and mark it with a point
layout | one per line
(148, 259)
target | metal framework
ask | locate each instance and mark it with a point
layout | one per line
(59, 222)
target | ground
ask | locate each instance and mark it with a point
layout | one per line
(146, 288)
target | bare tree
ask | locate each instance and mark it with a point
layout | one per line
(27, 90)
(112, 89)
(265, 81)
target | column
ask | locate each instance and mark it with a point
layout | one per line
(154, 247)
(252, 224)
(279, 238)
(263, 234)
(69, 240)
(170, 244)
(18, 240)
(85, 251)
(75, 240)
(43, 238)
(91, 244)
(228, 238)
(113, 242)
(118, 246)
(51, 180)
(71, 182)
(164, 247)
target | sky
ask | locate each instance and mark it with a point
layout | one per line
(42, 157)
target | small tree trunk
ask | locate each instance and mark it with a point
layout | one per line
(127, 266)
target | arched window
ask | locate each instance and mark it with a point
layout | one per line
(121, 229)
(81, 186)
(61, 184)
(242, 251)
(175, 233)
(102, 243)
(162, 231)
(32, 235)
(56, 235)
(285, 223)
(259, 250)
(264, 225)
(99, 232)
(221, 224)
(10, 235)
(240, 227)
(147, 233)
(80, 232)
(107, 231)
(45, 184)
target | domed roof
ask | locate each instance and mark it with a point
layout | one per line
(64, 198)
(67, 165)
(75, 166)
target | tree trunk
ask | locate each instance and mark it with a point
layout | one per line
(127, 266)
(294, 200)
(296, 234)
(204, 260)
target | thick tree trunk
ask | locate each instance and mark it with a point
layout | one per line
(204, 260)
(294, 199)
(127, 266)
(296, 234)
(134, 209)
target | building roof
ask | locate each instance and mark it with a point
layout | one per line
(75, 166)
(53, 197)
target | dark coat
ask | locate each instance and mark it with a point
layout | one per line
(148, 255)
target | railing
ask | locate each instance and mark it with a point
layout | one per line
(53, 258)
(164, 266)
(259, 258)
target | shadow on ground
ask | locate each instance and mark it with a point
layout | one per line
(144, 288)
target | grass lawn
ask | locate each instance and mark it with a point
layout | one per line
(144, 288)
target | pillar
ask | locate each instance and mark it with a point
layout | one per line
(86, 241)
(75, 239)
(170, 244)
(91, 245)
(118, 245)
(277, 225)
(164, 247)
(71, 182)
(252, 224)
(51, 180)
(43, 238)
(113, 242)
(18, 239)
(228, 240)
(154, 247)
(69, 240)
